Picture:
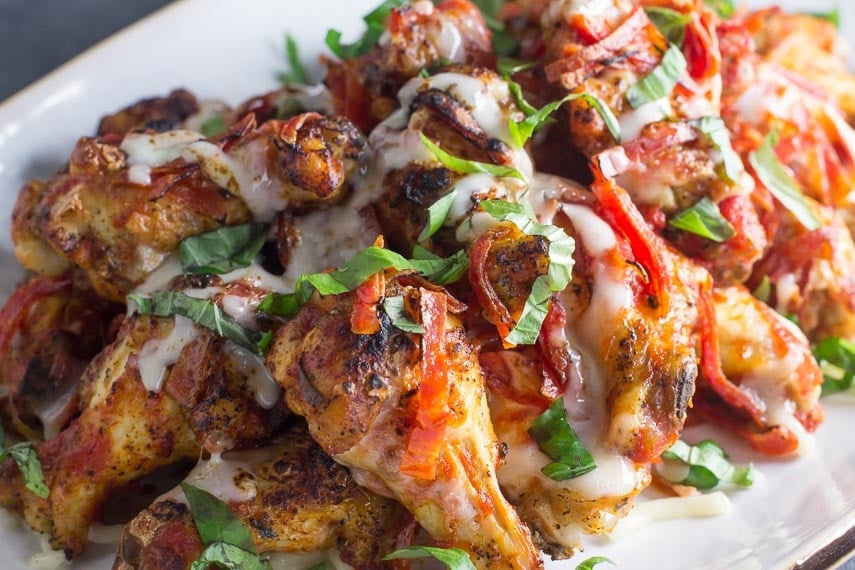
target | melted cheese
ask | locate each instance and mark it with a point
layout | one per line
(611, 12)
(140, 174)
(56, 415)
(227, 476)
(634, 120)
(693, 506)
(157, 149)
(267, 392)
(306, 560)
(158, 354)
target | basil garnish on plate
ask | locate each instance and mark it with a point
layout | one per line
(708, 465)
(522, 130)
(203, 312)
(593, 561)
(394, 307)
(716, 132)
(670, 23)
(213, 126)
(228, 543)
(554, 436)
(704, 219)
(222, 250)
(453, 558)
(437, 214)
(297, 72)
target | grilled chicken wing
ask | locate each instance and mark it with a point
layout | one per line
(420, 35)
(409, 418)
(122, 206)
(295, 500)
(770, 362)
(50, 328)
(164, 113)
(161, 392)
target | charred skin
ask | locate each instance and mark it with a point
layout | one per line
(303, 502)
(365, 89)
(51, 329)
(125, 431)
(159, 113)
(93, 215)
(122, 433)
(358, 394)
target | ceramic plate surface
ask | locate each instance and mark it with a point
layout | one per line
(230, 49)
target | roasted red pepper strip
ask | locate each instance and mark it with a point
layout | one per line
(18, 305)
(732, 394)
(494, 310)
(363, 317)
(553, 348)
(422, 455)
(617, 209)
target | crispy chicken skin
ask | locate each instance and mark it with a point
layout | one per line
(125, 431)
(364, 89)
(51, 329)
(159, 113)
(118, 224)
(359, 394)
(296, 500)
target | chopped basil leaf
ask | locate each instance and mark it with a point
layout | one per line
(723, 8)
(229, 543)
(468, 166)
(764, 290)
(507, 66)
(704, 219)
(504, 44)
(394, 307)
(376, 22)
(319, 566)
(230, 557)
(793, 318)
(516, 90)
(832, 16)
(27, 459)
(593, 561)
(297, 73)
(558, 274)
(836, 357)
(213, 126)
(659, 83)
(202, 312)
(715, 129)
(356, 271)
(670, 23)
(554, 436)
(708, 465)
(437, 214)
(453, 558)
(222, 250)
(521, 131)
(778, 181)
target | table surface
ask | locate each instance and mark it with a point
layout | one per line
(37, 36)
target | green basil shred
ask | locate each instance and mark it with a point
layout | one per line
(376, 22)
(453, 558)
(778, 181)
(556, 438)
(558, 274)
(836, 357)
(359, 269)
(297, 72)
(704, 219)
(203, 312)
(660, 82)
(718, 135)
(228, 543)
(464, 166)
(394, 307)
(222, 250)
(670, 23)
(708, 465)
(593, 561)
(437, 214)
(25, 457)
(213, 127)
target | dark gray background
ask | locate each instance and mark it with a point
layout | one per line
(38, 35)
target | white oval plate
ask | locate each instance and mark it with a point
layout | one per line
(230, 49)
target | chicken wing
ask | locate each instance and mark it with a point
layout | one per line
(365, 398)
(298, 503)
(121, 207)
